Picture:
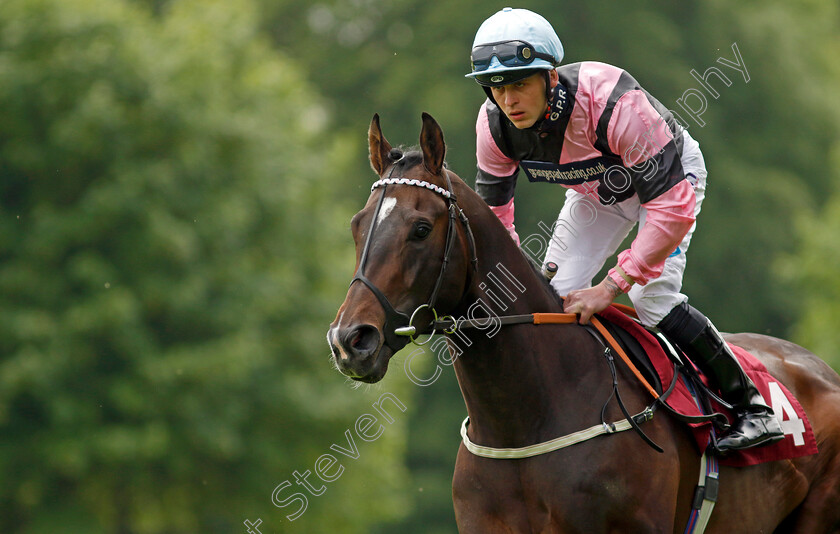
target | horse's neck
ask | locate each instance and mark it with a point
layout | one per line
(512, 376)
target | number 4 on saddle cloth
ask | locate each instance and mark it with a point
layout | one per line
(645, 348)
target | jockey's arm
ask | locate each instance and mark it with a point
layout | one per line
(639, 134)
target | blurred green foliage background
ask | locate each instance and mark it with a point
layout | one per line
(176, 183)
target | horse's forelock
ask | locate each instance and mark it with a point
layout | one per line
(406, 158)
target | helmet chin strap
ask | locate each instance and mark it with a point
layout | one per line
(559, 107)
(547, 87)
(489, 93)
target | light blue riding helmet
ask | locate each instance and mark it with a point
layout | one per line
(511, 45)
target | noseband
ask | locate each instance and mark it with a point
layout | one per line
(398, 325)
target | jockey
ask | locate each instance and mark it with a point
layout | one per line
(593, 129)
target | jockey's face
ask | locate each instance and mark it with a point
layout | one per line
(524, 102)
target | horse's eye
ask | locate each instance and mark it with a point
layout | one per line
(421, 230)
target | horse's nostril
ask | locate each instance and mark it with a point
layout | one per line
(356, 340)
(361, 340)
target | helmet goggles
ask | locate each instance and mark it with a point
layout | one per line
(509, 53)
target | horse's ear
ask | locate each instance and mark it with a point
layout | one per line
(431, 141)
(379, 147)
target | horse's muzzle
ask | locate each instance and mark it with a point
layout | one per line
(356, 350)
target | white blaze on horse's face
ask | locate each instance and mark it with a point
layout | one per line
(332, 339)
(387, 206)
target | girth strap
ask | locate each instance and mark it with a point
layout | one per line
(547, 446)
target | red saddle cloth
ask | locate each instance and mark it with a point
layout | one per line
(799, 436)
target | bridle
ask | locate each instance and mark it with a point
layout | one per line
(399, 325)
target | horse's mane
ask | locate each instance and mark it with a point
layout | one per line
(546, 283)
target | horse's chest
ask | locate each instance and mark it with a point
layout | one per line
(502, 496)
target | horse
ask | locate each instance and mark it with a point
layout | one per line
(426, 243)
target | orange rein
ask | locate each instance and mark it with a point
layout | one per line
(569, 318)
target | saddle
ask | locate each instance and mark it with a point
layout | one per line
(658, 360)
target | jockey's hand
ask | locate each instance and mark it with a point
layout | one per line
(588, 302)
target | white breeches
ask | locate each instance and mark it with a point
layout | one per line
(587, 233)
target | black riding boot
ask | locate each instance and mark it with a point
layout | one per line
(700, 340)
